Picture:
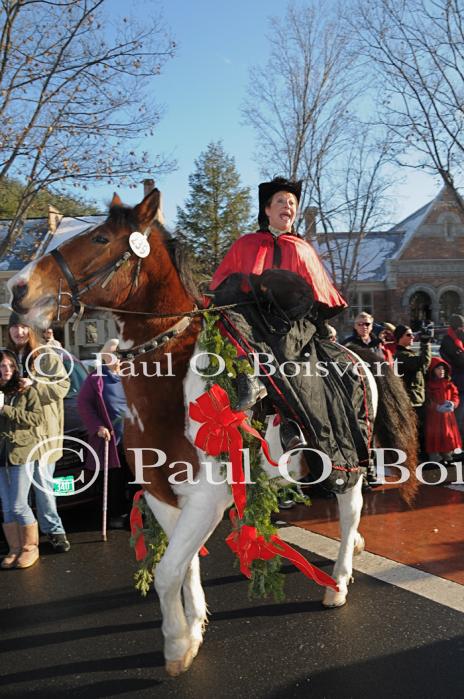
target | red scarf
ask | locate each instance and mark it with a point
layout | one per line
(457, 341)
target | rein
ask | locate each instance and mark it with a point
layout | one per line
(108, 271)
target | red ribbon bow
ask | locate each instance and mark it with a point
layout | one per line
(220, 433)
(248, 546)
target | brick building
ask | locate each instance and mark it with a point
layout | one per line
(413, 272)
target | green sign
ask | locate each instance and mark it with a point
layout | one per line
(63, 485)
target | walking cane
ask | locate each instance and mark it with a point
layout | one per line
(105, 490)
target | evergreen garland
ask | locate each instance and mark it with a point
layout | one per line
(156, 542)
(262, 495)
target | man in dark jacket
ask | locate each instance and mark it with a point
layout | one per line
(363, 335)
(412, 367)
(452, 351)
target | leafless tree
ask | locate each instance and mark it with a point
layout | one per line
(416, 50)
(73, 95)
(351, 197)
(303, 105)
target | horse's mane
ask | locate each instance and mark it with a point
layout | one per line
(121, 215)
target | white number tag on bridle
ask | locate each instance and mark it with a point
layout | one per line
(139, 244)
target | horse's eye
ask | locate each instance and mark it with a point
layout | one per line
(100, 239)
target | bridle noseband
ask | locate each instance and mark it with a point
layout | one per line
(78, 287)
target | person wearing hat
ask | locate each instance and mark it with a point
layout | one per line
(42, 368)
(273, 266)
(452, 351)
(412, 366)
(442, 434)
(276, 245)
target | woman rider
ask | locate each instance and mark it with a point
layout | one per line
(275, 247)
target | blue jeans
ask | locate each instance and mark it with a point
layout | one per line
(15, 485)
(49, 519)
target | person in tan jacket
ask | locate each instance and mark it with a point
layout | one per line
(21, 417)
(43, 368)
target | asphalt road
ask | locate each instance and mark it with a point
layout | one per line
(73, 626)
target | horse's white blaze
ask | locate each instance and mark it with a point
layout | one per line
(23, 276)
(123, 343)
(132, 414)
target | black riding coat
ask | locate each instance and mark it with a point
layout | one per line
(314, 380)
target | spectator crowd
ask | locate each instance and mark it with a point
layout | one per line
(32, 413)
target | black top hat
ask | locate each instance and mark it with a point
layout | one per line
(267, 191)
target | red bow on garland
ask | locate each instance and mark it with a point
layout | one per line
(219, 433)
(248, 546)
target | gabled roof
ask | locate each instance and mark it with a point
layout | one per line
(35, 239)
(376, 247)
(68, 227)
(27, 245)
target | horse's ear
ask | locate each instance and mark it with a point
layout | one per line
(149, 208)
(116, 200)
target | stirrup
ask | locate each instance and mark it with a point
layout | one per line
(291, 436)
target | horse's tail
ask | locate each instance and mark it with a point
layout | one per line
(395, 425)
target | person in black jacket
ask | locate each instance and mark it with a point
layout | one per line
(452, 351)
(412, 367)
(363, 335)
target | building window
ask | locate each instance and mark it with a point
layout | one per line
(450, 302)
(360, 301)
(91, 333)
(420, 309)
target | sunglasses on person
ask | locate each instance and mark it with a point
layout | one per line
(366, 324)
(409, 334)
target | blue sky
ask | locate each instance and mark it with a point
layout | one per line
(203, 88)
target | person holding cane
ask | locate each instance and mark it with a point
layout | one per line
(102, 406)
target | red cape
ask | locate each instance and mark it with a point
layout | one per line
(253, 253)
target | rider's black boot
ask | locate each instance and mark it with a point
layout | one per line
(249, 391)
(291, 436)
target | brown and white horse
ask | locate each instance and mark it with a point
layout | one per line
(102, 268)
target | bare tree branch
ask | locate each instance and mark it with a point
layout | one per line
(74, 95)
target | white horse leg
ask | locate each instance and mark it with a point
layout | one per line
(194, 596)
(351, 541)
(199, 516)
(196, 610)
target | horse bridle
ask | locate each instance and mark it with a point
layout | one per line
(108, 271)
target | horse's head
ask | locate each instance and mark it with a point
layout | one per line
(104, 266)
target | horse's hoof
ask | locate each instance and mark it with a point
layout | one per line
(359, 546)
(333, 599)
(174, 668)
(195, 647)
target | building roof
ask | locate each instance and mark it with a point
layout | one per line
(36, 239)
(374, 249)
(27, 245)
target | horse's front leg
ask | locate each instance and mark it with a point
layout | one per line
(201, 512)
(351, 542)
(194, 597)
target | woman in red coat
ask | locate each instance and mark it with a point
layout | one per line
(442, 398)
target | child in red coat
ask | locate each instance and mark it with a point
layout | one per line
(442, 398)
